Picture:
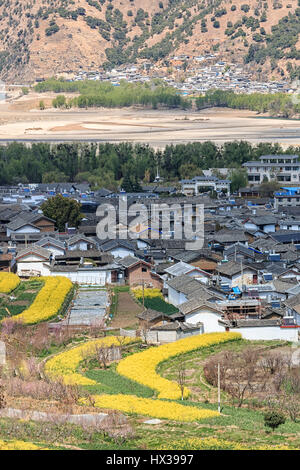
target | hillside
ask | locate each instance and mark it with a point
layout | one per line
(39, 38)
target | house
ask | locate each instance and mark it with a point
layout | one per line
(118, 248)
(149, 318)
(33, 261)
(226, 237)
(139, 272)
(173, 331)
(88, 274)
(262, 329)
(180, 287)
(6, 262)
(181, 268)
(283, 168)
(240, 252)
(231, 274)
(57, 247)
(205, 259)
(292, 305)
(29, 222)
(80, 257)
(80, 242)
(197, 311)
(263, 223)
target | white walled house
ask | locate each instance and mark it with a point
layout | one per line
(99, 276)
(33, 261)
(181, 268)
(172, 331)
(196, 311)
(266, 224)
(56, 247)
(79, 242)
(23, 228)
(121, 252)
(234, 274)
(118, 248)
(283, 168)
(263, 330)
(175, 297)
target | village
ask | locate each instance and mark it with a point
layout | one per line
(188, 74)
(244, 278)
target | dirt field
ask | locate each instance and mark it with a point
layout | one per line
(127, 309)
(21, 120)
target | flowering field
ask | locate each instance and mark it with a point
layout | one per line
(141, 367)
(214, 444)
(19, 445)
(151, 407)
(8, 282)
(154, 299)
(65, 364)
(48, 302)
(148, 293)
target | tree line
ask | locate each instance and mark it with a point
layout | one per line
(108, 165)
(95, 93)
(277, 104)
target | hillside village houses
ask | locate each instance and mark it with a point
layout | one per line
(244, 278)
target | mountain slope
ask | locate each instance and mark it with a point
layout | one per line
(39, 38)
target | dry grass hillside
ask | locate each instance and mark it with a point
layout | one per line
(40, 38)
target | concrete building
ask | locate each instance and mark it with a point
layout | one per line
(287, 197)
(282, 168)
(199, 184)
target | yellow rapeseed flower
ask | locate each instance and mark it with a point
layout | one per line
(8, 282)
(141, 367)
(153, 407)
(65, 364)
(48, 301)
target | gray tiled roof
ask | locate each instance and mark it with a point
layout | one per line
(196, 303)
(176, 325)
(230, 268)
(34, 249)
(151, 315)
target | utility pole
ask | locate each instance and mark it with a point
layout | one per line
(143, 293)
(219, 389)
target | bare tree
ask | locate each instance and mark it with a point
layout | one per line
(103, 355)
(2, 397)
(273, 363)
(181, 377)
(144, 334)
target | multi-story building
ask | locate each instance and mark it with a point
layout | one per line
(282, 168)
(287, 197)
(199, 184)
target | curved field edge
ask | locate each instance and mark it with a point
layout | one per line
(141, 367)
(153, 407)
(49, 302)
(63, 366)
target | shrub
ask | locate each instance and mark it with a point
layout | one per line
(273, 419)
